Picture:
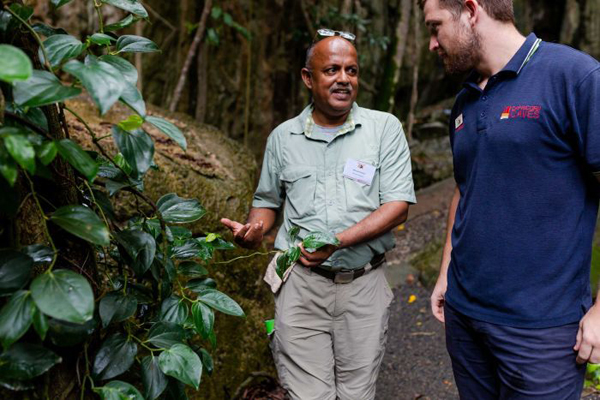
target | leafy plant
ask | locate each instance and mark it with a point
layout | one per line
(311, 242)
(152, 309)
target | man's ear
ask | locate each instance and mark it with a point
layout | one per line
(307, 78)
(473, 8)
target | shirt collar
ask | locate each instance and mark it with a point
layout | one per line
(304, 123)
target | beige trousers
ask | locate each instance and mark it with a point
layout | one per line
(330, 338)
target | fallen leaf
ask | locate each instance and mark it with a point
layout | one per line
(412, 299)
(401, 227)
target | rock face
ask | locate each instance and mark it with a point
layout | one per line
(221, 174)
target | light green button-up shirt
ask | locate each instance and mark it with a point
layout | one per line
(303, 171)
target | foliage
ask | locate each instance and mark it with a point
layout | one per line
(311, 242)
(152, 313)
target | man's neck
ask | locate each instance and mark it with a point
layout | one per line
(329, 121)
(499, 45)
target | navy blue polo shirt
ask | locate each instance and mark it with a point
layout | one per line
(525, 152)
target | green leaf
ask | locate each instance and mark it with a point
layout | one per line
(20, 149)
(101, 39)
(40, 323)
(137, 148)
(22, 10)
(129, 72)
(82, 222)
(78, 158)
(316, 240)
(204, 318)
(174, 209)
(47, 30)
(103, 81)
(39, 253)
(213, 36)
(16, 317)
(60, 3)
(220, 302)
(135, 44)
(16, 386)
(115, 356)
(15, 270)
(165, 334)
(133, 6)
(118, 390)
(14, 64)
(104, 203)
(68, 334)
(181, 363)
(155, 382)
(41, 89)
(62, 47)
(8, 167)
(207, 360)
(47, 152)
(220, 244)
(173, 309)
(191, 249)
(216, 12)
(168, 129)
(124, 23)
(64, 295)
(132, 97)
(227, 19)
(132, 122)
(192, 269)
(23, 361)
(293, 235)
(116, 307)
(140, 248)
(200, 285)
(294, 254)
(282, 263)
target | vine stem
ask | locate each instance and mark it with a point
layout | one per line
(100, 19)
(45, 220)
(140, 341)
(35, 35)
(258, 253)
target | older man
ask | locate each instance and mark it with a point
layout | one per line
(337, 168)
(514, 287)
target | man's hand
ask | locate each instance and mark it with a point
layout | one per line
(438, 297)
(317, 258)
(588, 337)
(249, 235)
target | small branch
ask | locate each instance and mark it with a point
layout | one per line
(100, 19)
(35, 35)
(258, 253)
(158, 16)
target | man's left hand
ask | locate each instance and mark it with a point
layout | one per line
(588, 337)
(317, 258)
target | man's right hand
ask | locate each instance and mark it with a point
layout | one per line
(438, 297)
(249, 235)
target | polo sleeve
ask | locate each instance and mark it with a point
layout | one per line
(269, 193)
(586, 123)
(395, 174)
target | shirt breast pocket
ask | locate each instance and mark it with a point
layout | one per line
(361, 197)
(300, 186)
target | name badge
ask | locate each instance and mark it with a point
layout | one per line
(359, 171)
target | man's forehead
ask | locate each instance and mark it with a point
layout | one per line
(332, 47)
(433, 13)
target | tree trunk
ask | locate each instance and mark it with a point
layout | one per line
(416, 60)
(202, 83)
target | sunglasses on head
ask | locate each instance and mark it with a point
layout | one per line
(330, 32)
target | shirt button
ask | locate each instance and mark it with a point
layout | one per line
(484, 98)
(483, 114)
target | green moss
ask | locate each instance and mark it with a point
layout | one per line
(427, 262)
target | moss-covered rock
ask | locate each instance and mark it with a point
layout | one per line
(221, 174)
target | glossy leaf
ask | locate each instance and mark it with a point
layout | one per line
(16, 317)
(181, 363)
(221, 302)
(103, 81)
(64, 295)
(101, 39)
(116, 307)
(47, 30)
(192, 269)
(189, 249)
(68, 334)
(173, 309)
(78, 158)
(204, 318)
(137, 148)
(316, 240)
(59, 3)
(23, 361)
(20, 149)
(39, 253)
(294, 254)
(140, 249)
(293, 235)
(40, 323)
(174, 209)
(47, 152)
(124, 23)
(82, 222)
(135, 44)
(62, 47)
(165, 334)
(155, 382)
(168, 129)
(15, 270)
(115, 356)
(131, 123)
(133, 6)
(207, 360)
(41, 89)
(118, 390)
(16, 386)
(175, 390)
(14, 64)
(132, 97)
(129, 72)
(8, 167)
(200, 285)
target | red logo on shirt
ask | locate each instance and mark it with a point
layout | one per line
(521, 112)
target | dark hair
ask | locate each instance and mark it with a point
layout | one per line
(500, 10)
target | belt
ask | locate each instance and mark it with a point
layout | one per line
(349, 276)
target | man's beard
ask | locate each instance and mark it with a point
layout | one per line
(465, 54)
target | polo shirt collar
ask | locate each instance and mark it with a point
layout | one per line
(514, 66)
(304, 123)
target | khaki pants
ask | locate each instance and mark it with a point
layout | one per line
(330, 338)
